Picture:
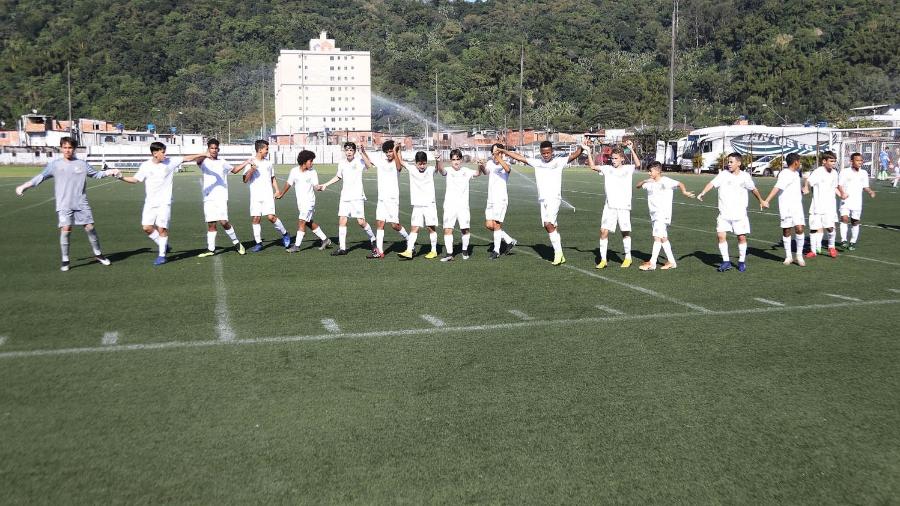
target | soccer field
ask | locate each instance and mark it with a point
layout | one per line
(276, 377)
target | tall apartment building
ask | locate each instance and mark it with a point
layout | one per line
(322, 88)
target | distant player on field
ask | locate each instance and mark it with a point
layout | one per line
(305, 179)
(72, 206)
(823, 208)
(259, 174)
(733, 186)
(788, 187)
(353, 196)
(497, 169)
(215, 172)
(456, 203)
(388, 208)
(660, 190)
(617, 209)
(853, 181)
(424, 207)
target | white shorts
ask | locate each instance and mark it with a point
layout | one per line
(306, 213)
(262, 207)
(739, 226)
(854, 214)
(495, 211)
(454, 214)
(388, 211)
(71, 217)
(549, 211)
(352, 208)
(156, 215)
(424, 216)
(612, 217)
(820, 221)
(660, 228)
(792, 218)
(215, 210)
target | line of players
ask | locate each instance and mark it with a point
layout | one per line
(258, 172)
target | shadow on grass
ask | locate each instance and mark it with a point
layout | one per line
(122, 255)
(889, 227)
(710, 259)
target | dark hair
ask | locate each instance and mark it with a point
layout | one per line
(387, 146)
(157, 146)
(68, 140)
(546, 144)
(258, 145)
(854, 155)
(829, 155)
(455, 152)
(497, 145)
(351, 145)
(305, 156)
(618, 151)
(654, 165)
(421, 157)
(212, 142)
(738, 157)
(791, 158)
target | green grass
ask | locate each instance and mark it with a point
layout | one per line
(697, 393)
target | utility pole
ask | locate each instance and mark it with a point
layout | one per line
(437, 122)
(69, 84)
(672, 66)
(263, 104)
(521, 88)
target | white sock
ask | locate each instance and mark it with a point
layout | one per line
(299, 238)
(843, 232)
(742, 252)
(786, 241)
(506, 237)
(465, 243)
(854, 234)
(211, 241)
(626, 243)
(604, 246)
(832, 236)
(279, 226)
(342, 237)
(94, 240)
(368, 231)
(432, 237)
(800, 239)
(232, 235)
(320, 233)
(257, 232)
(411, 241)
(379, 239)
(498, 237)
(162, 245)
(654, 254)
(154, 236)
(556, 241)
(815, 244)
(448, 244)
(667, 247)
(723, 250)
(403, 233)
(64, 245)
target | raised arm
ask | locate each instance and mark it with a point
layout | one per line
(574, 156)
(250, 172)
(515, 156)
(590, 157)
(198, 158)
(437, 164)
(482, 168)
(634, 157)
(47, 173)
(365, 157)
(398, 161)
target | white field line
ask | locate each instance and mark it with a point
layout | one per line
(223, 326)
(434, 320)
(609, 309)
(769, 302)
(434, 330)
(842, 297)
(895, 290)
(330, 325)
(520, 314)
(110, 339)
(3, 340)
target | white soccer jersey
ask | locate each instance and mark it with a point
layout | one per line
(157, 179)
(388, 183)
(790, 200)
(548, 177)
(617, 185)
(853, 182)
(457, 191)
(304, 183)
(261, 180)
(215, 179)
(421, 186)
(733, 190)
(351, 175)
(659, 198)
(824, 184)
(497, 178)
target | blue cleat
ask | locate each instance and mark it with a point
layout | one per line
(742, 266)
(256, 248)
(724, 266)
(286, 240)
(159, 260)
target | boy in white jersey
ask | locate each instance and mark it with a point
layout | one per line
(424, 207)
(214, 180)
(388, 208)
(156, 174)
(660, 190)
(853, 181)
(497, 169)
(823, 208)
(790, 207)
(548, 176)
(456, 203)
(305, 179)
(733, 186)
(353, 196)
(259, 173)
(617, 209)
(72, 206)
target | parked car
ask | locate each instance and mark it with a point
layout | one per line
(761, 166)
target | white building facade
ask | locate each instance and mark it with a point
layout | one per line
(322, 89)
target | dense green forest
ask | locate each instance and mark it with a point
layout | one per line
(587, 63)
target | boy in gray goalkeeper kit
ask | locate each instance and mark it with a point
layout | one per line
(71, 198)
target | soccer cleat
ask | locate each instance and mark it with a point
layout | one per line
(325, 244)
(240, 249)
(447, 258)
(669, 265)
(844, 245)
(725, 266)
(742, 266)
(602, 264)
(102, 259)
(431, 255)
(407, 255)
(647, 266)
(465, 256)
(852, 246)
(800, 261)
(810, 254)
(293, 249)
(256, 248)
(159, 260)
(510, 246)
(64, 266)
(559, 259)
(626, 263)
(286, 240)
(787, 261)
(494, 255)
(206, 253)
(375, 254)
(832, 252)
(338, 252)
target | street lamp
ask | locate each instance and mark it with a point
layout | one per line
(782, 118)
(783, 122)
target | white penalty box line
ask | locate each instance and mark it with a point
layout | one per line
(435, 330)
